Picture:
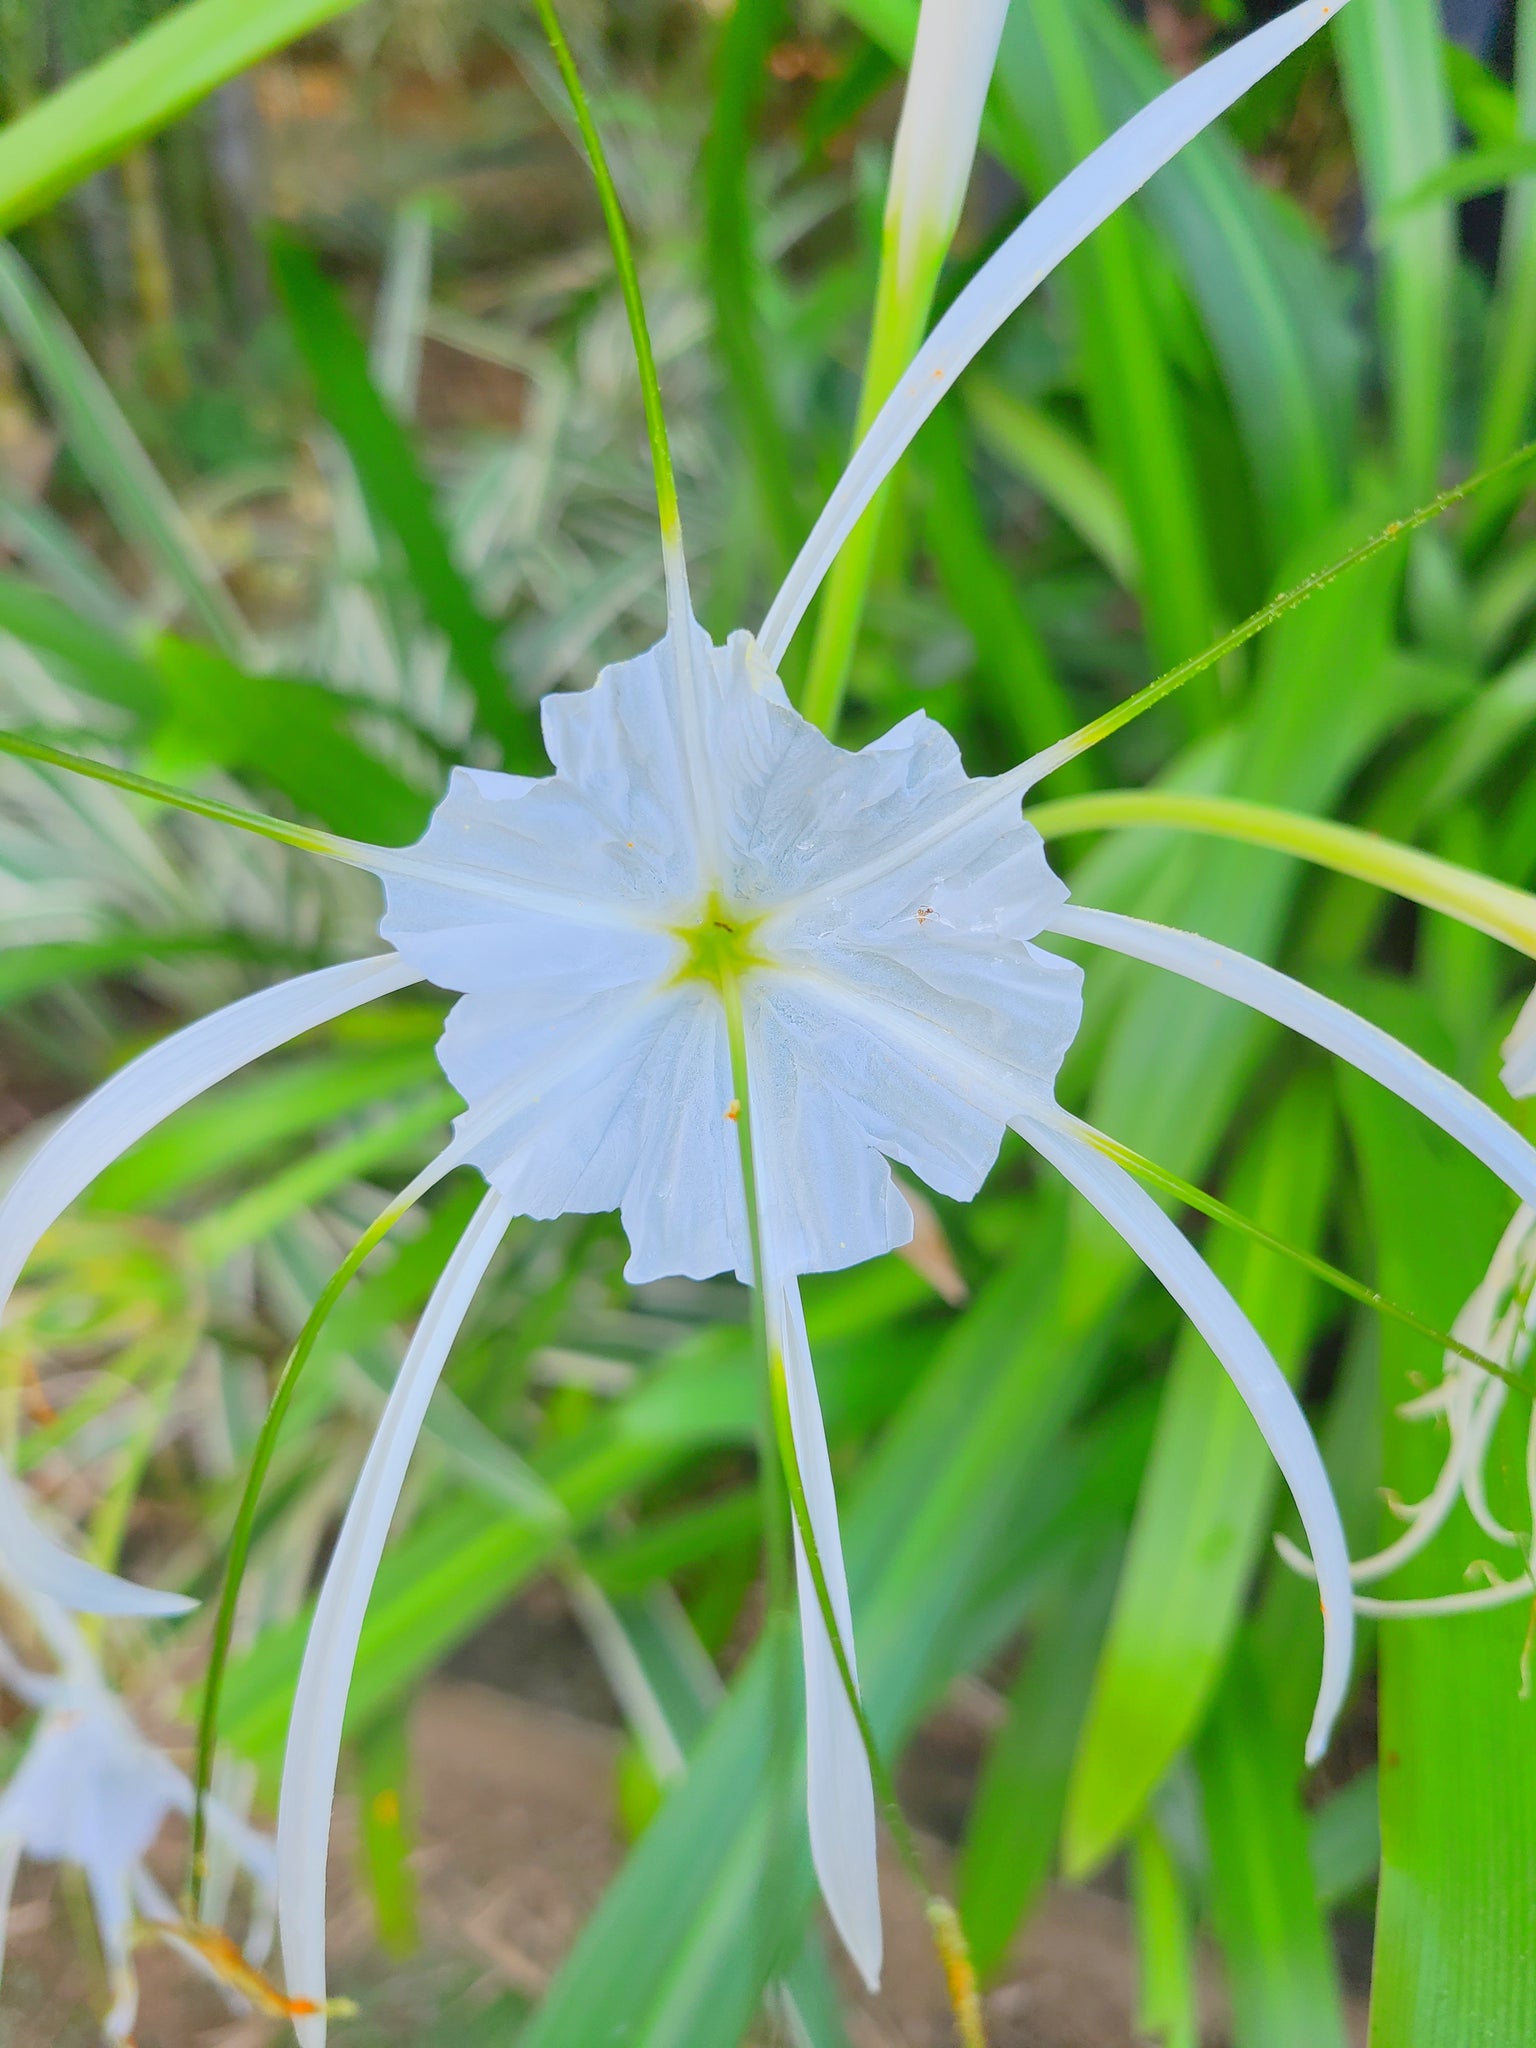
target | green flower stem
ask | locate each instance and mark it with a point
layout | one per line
(305, 837)
(629, 283)
(1497, 908)
(245, 1521)
(901, 317)
(1175, 678)
(949, 1937)
(1211, 1205)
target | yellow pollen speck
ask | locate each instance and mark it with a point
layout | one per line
(386, 1807)
(733, 1110)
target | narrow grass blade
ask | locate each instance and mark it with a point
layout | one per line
(111, 455)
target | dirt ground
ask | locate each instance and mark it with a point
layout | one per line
(516, 1757)
(517, 1842)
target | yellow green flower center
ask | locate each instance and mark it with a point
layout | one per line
(720, 945)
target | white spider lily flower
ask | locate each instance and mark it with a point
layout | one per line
(92, 1792)
(45, 1569)
(936, 137)
(704, 872)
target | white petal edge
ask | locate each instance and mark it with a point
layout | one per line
(840, 1797)
(42, 1566)
(320, 1700)
(1164, 1249)
(1068, 214)
(1331, 1025)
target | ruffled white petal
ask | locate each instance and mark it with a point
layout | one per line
(611, 1071)
(171, 1073)
(319, 1706)
(42, 1566)
(1165, 1250)
(1067, 216)
(840, 1799)
(1520, 1051)
(1375, 1052)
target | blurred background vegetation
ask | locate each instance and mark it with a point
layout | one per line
(321, 460)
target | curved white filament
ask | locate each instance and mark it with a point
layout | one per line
(1085, 198)
(1329, 1024)
(161, 1080)
(840, 1800)
(319, 1706)
(1164, 1249)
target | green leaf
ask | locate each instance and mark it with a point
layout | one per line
(732, 263)
(1015, 1817)
(1166, 2010)
(174, 63)
(396, 490)
(1274, 1940)
(97, 660)
(1399, 107)
(1204, 1512)
(1025, 691)
(291, 734)
(245, 1120)
(1453, 1961)
(1511, 373)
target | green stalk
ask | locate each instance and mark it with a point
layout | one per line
(245, 1522)
(901, 316)
(1497, 908)
(629, 282)
(305, 837)
(1211, 1205)
(949, 1937)
(1185, 671)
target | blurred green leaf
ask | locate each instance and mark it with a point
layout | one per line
(1274, 1942)
(1399, 105)
(1015, 1816)
(397, 492)
(384, 1776)
(140, 88)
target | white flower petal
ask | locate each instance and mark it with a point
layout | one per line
(10, 1859)
(1087, 196)
(840, 1799)
(42, 1566)
(159, 1081)
(112, 1904)
(1165, 1250)
(1375, 1052)
(1520, 1051)
(320, 1700)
